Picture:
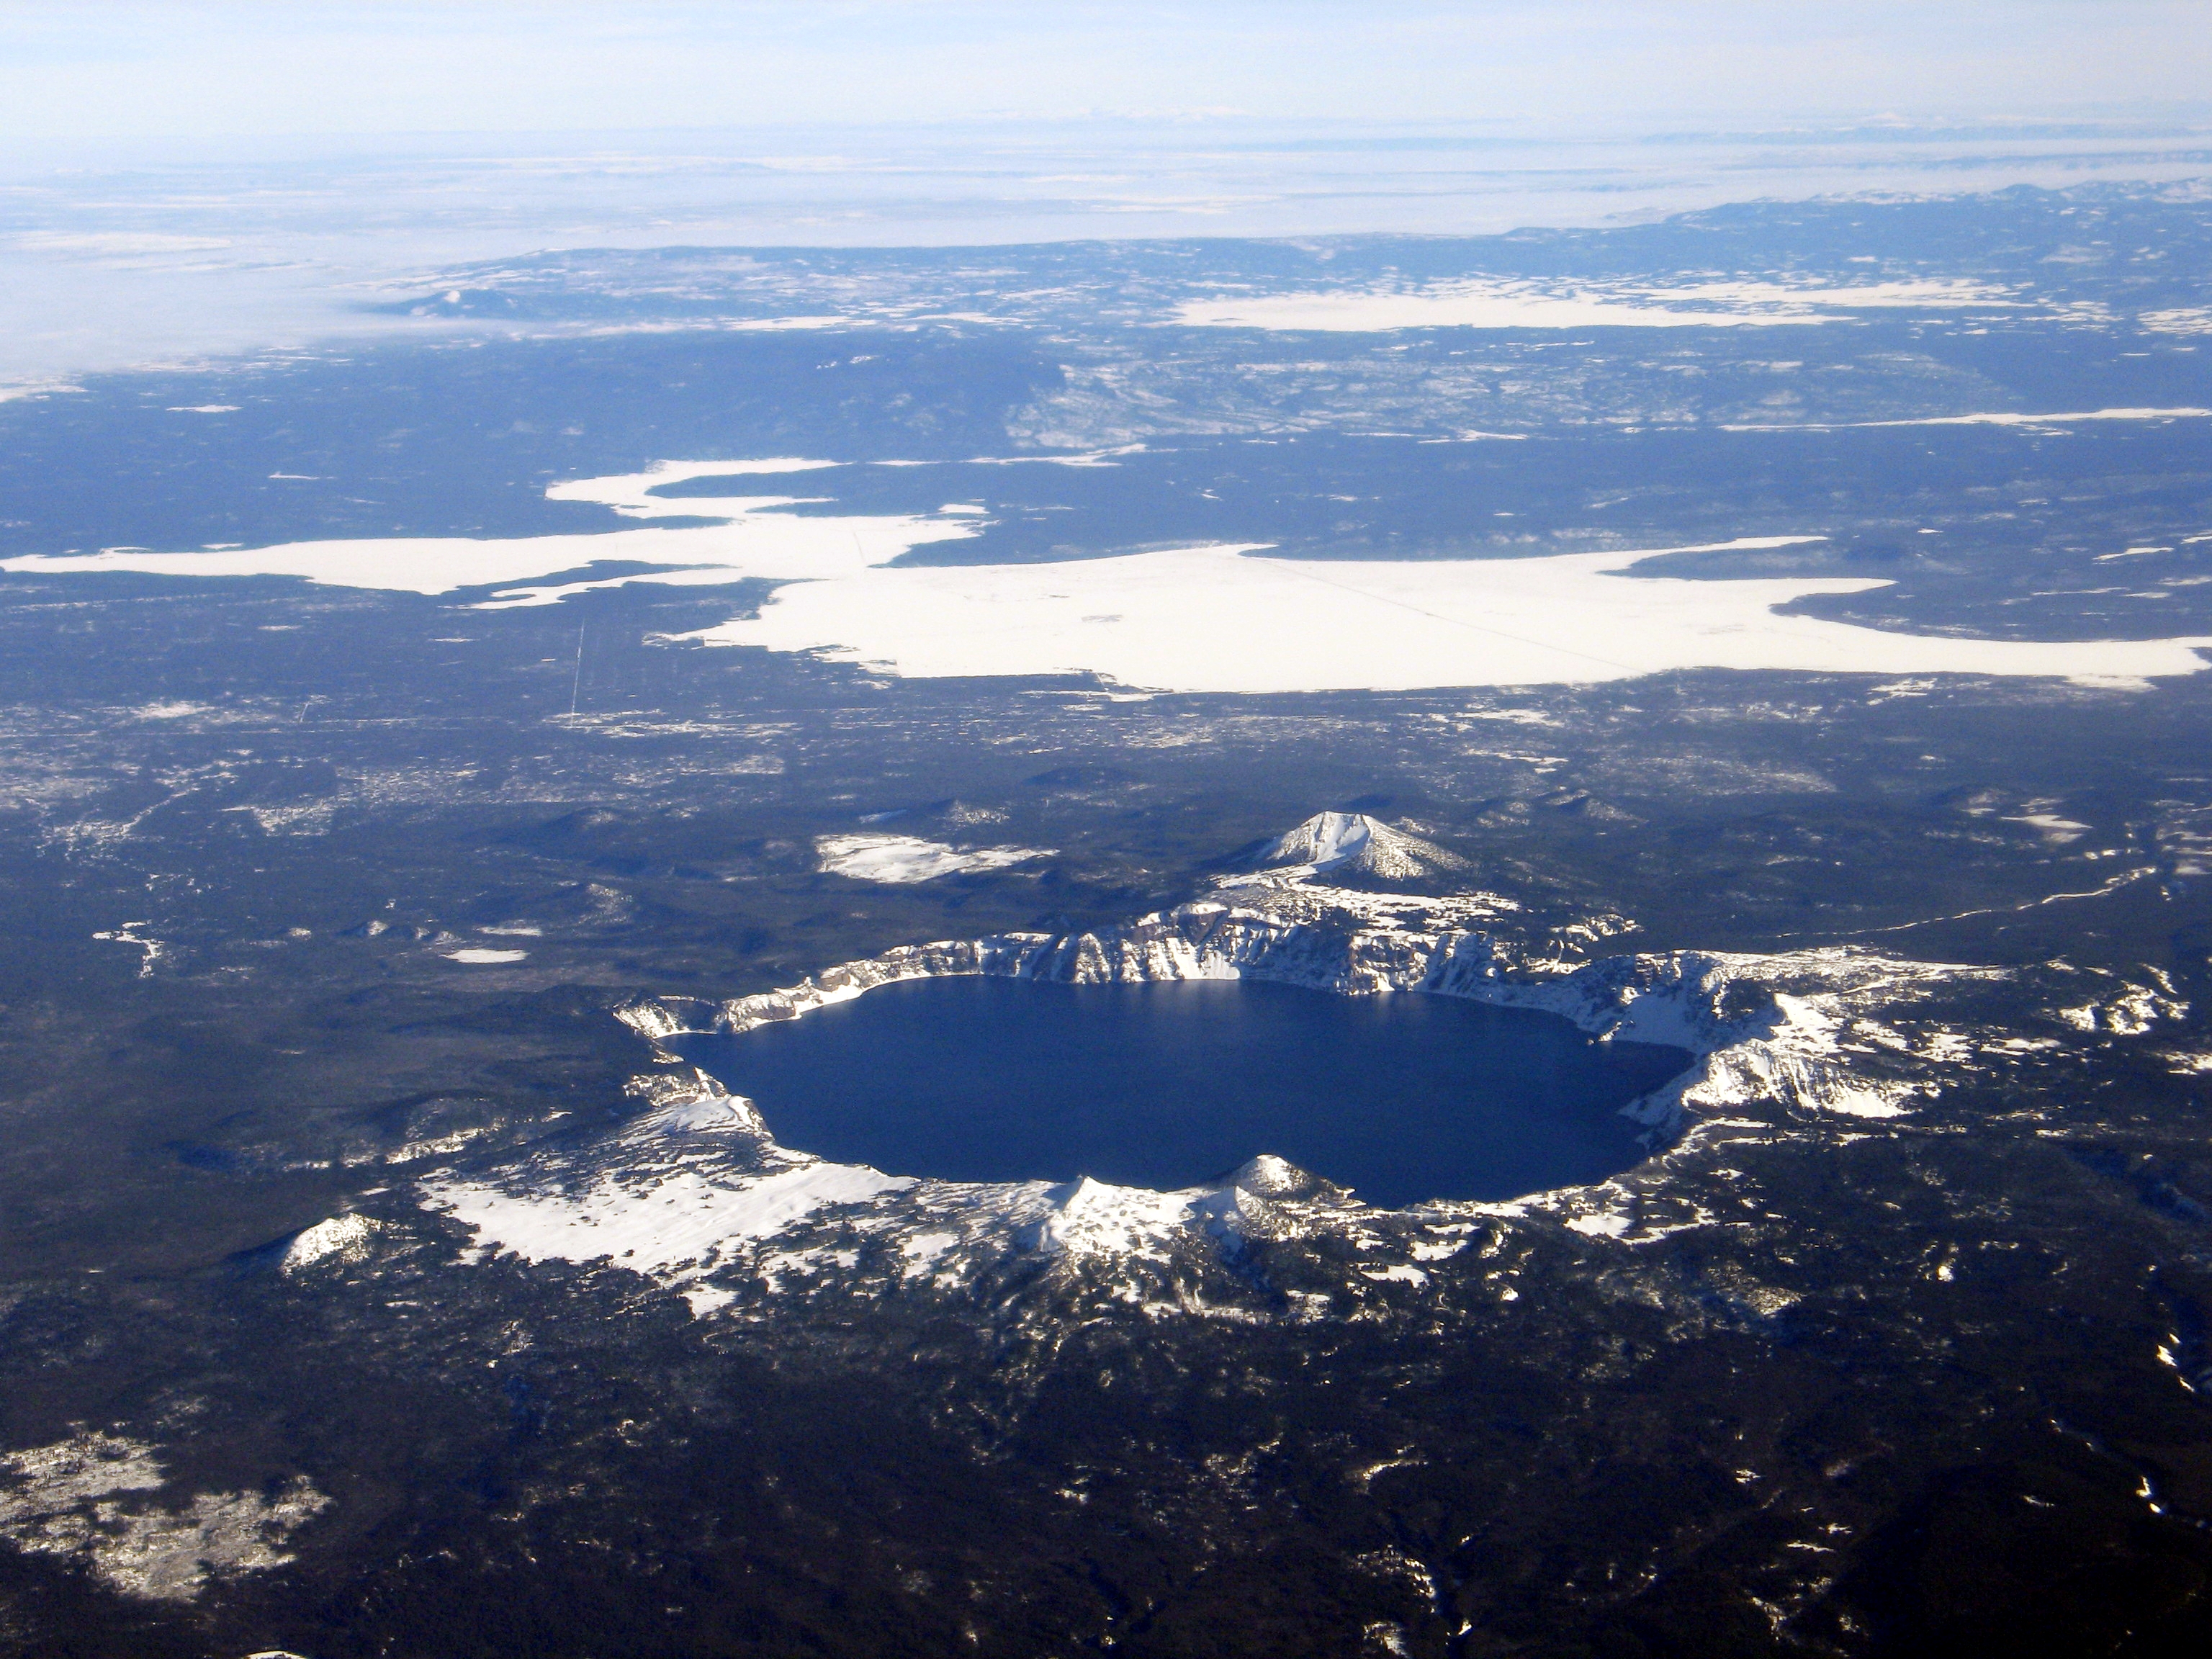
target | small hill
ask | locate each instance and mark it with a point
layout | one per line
(1352, 843)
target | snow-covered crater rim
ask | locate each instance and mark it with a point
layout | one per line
(694, 1191)
(1719, 1008)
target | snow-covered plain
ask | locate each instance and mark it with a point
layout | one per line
(681, 1218)
(1510, 304)
(1214, 619)
(909, 858)
(91, 1499)
(2035, 422)
(752, 541)
(1206, 618)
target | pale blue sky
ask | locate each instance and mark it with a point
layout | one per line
(75, 69)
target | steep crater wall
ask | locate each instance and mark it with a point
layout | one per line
(696, 1192)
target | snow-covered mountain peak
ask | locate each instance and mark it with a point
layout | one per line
(1270, 1177)
(1339, 843)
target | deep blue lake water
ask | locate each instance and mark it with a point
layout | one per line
(1400, 1097)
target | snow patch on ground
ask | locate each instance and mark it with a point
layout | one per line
(1217, 619)
(2033, 422)
(2182, 319)
(342, 1239)
(1092, 1219)
(681, 1218)
(1498, 303)
(87, 1499)
(909, 858)
(749, 539)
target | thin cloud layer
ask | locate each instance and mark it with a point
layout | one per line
(534, 65)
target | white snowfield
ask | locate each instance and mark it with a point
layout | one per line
(751, 540)
(2036, 423)
(342, 1239)
(1210, 618)
(1501, 303)
(1337, 844)
(684, 1217)
(93, 1500)
(909, 858)
(1217, 619)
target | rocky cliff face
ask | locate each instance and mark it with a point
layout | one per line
(1327, 938)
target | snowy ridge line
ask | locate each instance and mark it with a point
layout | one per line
(1782, 1047)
